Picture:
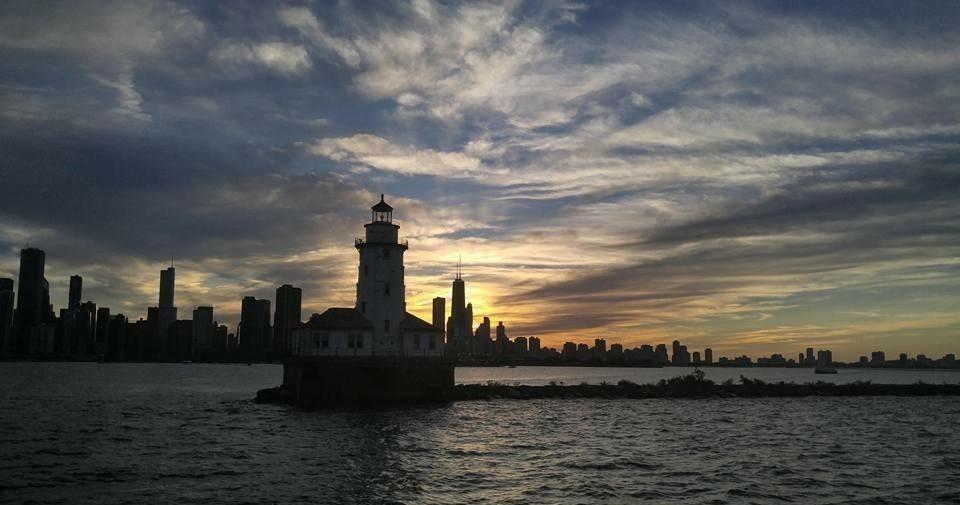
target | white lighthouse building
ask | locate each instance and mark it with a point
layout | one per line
(379, 324)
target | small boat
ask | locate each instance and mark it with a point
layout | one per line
(825, 370)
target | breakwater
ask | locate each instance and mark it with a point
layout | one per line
(688, 386)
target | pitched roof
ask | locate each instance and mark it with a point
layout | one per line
(382, 206)
(339, 318)
(414, 323)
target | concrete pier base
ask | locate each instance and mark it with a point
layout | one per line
(314, 381)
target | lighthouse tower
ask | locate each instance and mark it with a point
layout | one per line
(381, 294)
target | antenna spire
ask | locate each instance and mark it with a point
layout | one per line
(459, 264)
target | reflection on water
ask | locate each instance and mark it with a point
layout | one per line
(189, 434)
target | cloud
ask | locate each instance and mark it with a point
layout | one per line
(380, 153)
(286, 59)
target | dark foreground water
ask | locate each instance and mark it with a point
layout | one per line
(88, 433)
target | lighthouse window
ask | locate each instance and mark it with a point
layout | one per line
(386, 289)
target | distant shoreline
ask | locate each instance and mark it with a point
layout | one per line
(7, 359)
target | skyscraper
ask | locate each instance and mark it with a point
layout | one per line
(167, 282)
(32, 297)
(439, 311)
(286, 317)
(102, 330)
(201, 340)
(708, 356)
(76, 292)
(675, 357)
(166, 313)
(6, 315)
(456, 325)
(254, 330)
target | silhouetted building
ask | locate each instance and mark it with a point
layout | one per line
(534, 344)
(166, 314)
(458, 328)
(708, 356)
(378, 325)
(117, 338)
(254, 329)
(102, 333)
(661, 354)
(569, 349)
(286, 317)
(520, 345)
(90, 338)
(221, 340)
(599, 346)
(482, 343)
(810, 360)
(76, 292)
(439, 312)
(202, 332)
(167, 285)
(878, 359)
(696, 358)
(33, 299)
(824, 357)
(6, 316)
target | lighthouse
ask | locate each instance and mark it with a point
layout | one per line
(381, 294)
(375, 350)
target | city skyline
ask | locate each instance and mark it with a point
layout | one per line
(755, 178)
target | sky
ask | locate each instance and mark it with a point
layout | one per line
(755, 177)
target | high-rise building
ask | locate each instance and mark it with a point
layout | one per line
(675, 357)
(878, 359)
(286, 317)
(33, 295)
(534, 344)
(439, 312)
(481, 337)
(167, 284)
(696, 358)
(6, 316)
(76, 291)
(102, 330)
(520, 345)
(116, 337)
(600, 346)
(457, 326)
(201, 339)
(166, 313)
(89, 338)
(708, 356)
(810, 360)
(824, 357)
(254, 330)
(661, 355)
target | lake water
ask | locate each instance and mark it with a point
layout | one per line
(165, 433)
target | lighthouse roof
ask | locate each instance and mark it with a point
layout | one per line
(382, 206)
(338, 318)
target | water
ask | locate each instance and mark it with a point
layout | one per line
(130, 433)
(569, 375)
